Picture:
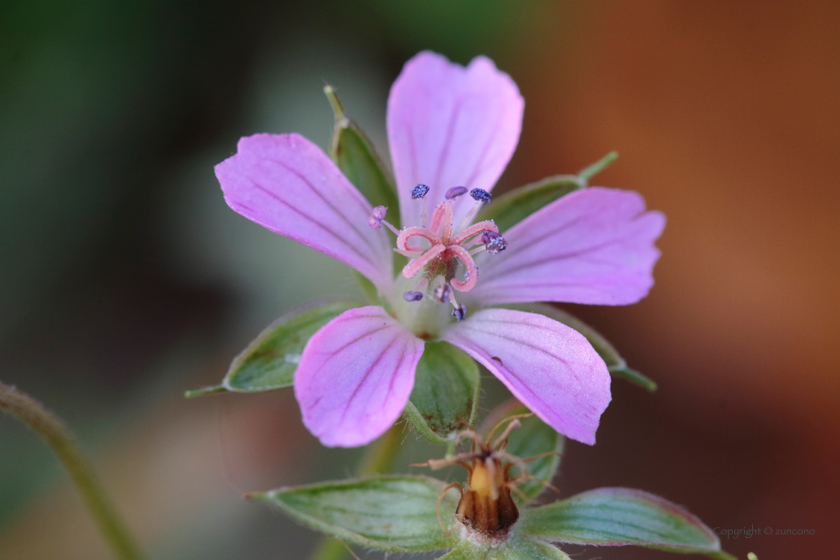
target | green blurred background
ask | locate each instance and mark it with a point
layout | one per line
(125, 279)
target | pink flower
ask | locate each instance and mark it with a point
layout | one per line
(451, 132)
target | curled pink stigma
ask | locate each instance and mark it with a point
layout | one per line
(475, 229)
(416, 231)
(471, 274)
(416, 265)
(447, 246)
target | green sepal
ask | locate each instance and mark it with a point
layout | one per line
(270, 361)
(445, 395)
(635, 378)
(368, 289)
(513, 207)
(620, 516)
(355, 155)
(204, 391)
(532, 438)
(616, 365)
(590, 171)
(388, 512)
(516, 205)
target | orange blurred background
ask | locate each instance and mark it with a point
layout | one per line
(126, 279)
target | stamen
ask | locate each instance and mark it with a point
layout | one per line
(471, 272)
(460, 312)
(420, 191)
(493, 242)
(421, 285)
(377, 218)
(443, 292)
(413, 296)
(455, 192)
(480, 196)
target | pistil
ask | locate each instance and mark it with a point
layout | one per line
(446, 247)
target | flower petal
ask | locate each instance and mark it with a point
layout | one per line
(549, 367)
(355, 376)
(288, 185)
(450, 126)
(591, 246)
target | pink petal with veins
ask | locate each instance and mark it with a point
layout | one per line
(450, 126)
(551, 368)
(355, 376)
(286, 184)
(591, 246)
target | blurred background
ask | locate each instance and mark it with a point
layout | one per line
(125, 279)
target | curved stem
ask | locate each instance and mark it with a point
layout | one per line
(53, 431)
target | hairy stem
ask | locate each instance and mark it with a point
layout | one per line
(53, 431)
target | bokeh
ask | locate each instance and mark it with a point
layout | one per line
(125, 279)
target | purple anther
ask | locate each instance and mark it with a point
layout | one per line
(480, 195)
(460, 312)
(493, 242)
(455, 192)
(413, 296)
(376, 217)
(489, 236)
(419, 191)
(442, 292)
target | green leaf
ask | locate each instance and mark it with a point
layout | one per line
(526, 549)
(620, 516)
(615, 363)
(533, 438)
(445, 395)
(516, 548)
(516, 205)
(270, 361)
(356, 157)
(394, 513)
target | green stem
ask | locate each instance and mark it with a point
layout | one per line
(330, 549)
(379, 458)
(53, 431)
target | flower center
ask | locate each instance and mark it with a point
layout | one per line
(448, 246)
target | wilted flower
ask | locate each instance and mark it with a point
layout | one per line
(402, 513)
(451, 132)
